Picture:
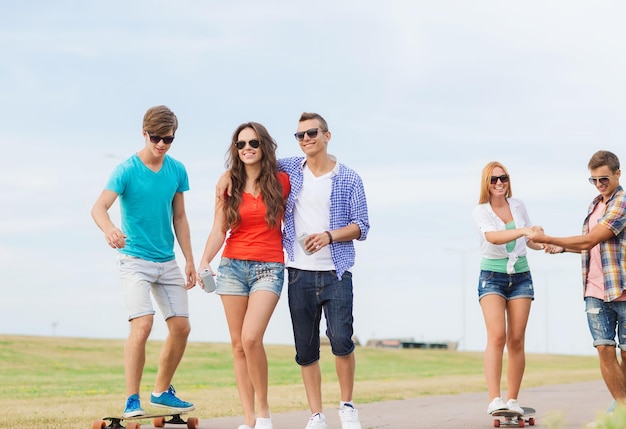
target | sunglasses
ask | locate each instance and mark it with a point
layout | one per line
(157, 139)
(254, 144)
(603, 180)
(312, 133)
(504, 179)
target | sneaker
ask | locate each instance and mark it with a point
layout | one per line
(244, 427)
(263, 423)
(496, 405)
(349, 417)
(169, 400)
(317, 421)
(513, 405)
(133, 407)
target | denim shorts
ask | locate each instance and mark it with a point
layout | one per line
(508, 286)
(604, 318)
(309, 293)
(165, 281)
(238, 277)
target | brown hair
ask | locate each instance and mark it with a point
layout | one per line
(602, 158)
(485, 181)
(271, 189)
(305, 116)
(159, 120)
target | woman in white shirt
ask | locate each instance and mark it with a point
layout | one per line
(505, 288)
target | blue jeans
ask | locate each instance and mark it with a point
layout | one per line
(604, 318)
(310, 292)
(508, 286)
(239, 277)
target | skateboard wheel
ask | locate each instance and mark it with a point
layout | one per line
(158, 422)
(98, 424)
(496, 423)
(520, 423)
(531, 421)
(192, 423)
(133, 425)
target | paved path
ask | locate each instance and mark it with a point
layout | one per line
(566, 406)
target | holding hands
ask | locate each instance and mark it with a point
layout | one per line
(537, 235)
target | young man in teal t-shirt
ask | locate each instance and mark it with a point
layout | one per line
(150, 186)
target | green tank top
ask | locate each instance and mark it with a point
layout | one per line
(499, 265)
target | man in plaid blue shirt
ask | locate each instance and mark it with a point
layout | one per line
(603, 246)
(326, 211)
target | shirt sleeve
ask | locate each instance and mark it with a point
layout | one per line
(615, 216)
(484, 220)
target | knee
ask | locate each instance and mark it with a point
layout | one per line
(180, 328)
(514, 343)
(251, 343)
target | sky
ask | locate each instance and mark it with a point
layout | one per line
(418, 95)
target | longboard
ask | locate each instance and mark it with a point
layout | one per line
(511, 418)
(158, 421)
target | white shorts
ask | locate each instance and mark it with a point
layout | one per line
(165, 280)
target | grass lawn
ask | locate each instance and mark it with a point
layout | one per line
(50, 382)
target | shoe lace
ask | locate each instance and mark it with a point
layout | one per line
(132, 403)
(313, 419)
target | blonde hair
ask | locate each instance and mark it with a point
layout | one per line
(486, 181)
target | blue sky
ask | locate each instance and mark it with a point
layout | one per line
(418, 96)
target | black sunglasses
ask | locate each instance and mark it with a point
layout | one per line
(312, 133)
(504, 179)
(254, 144)
(603, 180)
(157, 139)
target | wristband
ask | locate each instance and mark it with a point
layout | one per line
(330, 237)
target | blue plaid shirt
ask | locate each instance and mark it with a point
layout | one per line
(347, 205)
(613, 250)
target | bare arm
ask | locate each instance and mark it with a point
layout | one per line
(503, 237)
(100, 214)
(324, 238)
(224, 185)
(576, 243)
(216, 237)
(183, 236)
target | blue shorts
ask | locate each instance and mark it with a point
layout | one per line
(238, 277)
(165, 281)
(508, 286)
(604, 320)
(309, 293)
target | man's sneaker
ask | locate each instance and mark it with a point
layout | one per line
(263, 423)
(513, 405)
(169, 400)
(349, 417)
(496, 405)
(317, 421)
(133, 407)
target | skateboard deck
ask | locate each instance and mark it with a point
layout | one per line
(511, 418)
(159, 420)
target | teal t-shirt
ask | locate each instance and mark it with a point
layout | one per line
(146, 199)
(499, 265)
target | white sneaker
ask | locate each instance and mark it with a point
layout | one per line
(263, 423)
(349, 417)
(496, 405)
(317, 421)
(513, 405)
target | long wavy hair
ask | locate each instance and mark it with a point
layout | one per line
(485, 181)
(270, 188)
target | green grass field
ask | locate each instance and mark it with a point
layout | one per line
(69, 382)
